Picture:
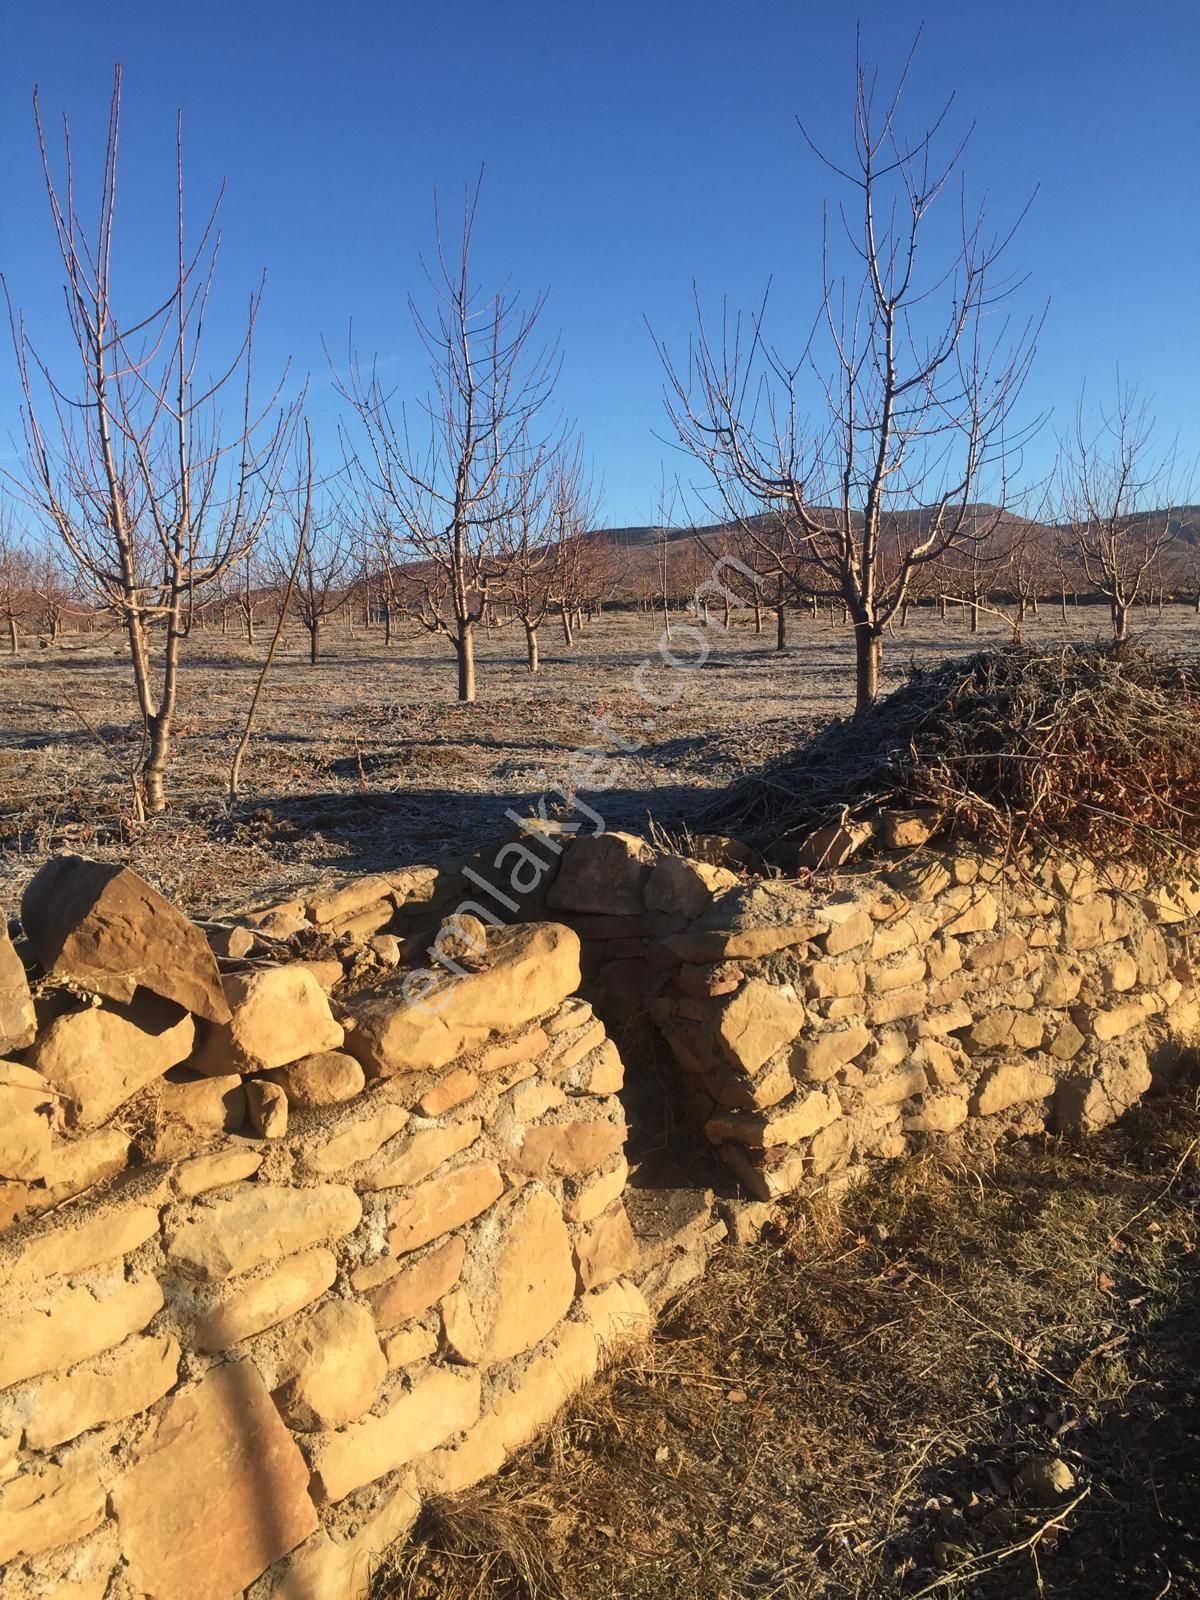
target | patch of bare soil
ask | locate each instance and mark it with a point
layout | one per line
(976, 1377)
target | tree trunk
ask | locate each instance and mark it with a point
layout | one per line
(568, 636)
(13, 642)
(314, 641)
(531, 646)
(726, 613)
(160, 724)
(868, 657)
(387, 622)
(973, 613)
(1062, 602)
(904, 614)
(466, 661)
(942, 607)
(1120, 622)
(780, 619)
(1033, 604)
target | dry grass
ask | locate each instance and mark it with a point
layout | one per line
(843, 1411)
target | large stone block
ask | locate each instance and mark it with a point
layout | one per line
(438, 1406)
(100, 926)
(120, 1384)
(531, 969)
(1088, 1102)
(100, 1055)
(817, 1057)
(441, 1204)
(572, 1148)
(1103, 918)
(522, 1277)
(28, 1112)
(758, 1020)
(256, 1223)
(50, 1329)
(603, 874)
(1006, 1029)
(279, 1015)
(683, 887)
(76, 1241)
(783, 1124)
(1011, 1083)
(357, 1139)
(331, 1366)
(412, 1290)
(606, 1250)
(402, 1162)
(326, 1079)
(217, 1492)
(189, 1115)
(287, 1288)
(324, 1568)
(40, 1511)
(18, 1020)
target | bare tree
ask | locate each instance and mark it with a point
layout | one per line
(52, 592)
(1116, 492)
(890, 439)
(449, 478)
(150, 492)
(588, 566)
(16, 578)
(541, 552)
(328, 562)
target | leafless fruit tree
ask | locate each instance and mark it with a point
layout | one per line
(448, 477)
(1116, 488)
(539, 555)
(587, 564)
(892, 418)
(17, 579)
(329, 557)
(151, 493)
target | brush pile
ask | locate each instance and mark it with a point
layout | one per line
(1097, 747)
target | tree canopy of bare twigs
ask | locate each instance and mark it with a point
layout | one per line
(862, 452)
(328, 561)
(445, 476)
(18, 576)
(1116, 493)
(150, 490)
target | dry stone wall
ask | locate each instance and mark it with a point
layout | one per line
(270, 1274)
(311, 1213)
(816, 1024)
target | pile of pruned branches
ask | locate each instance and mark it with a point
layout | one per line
(1098, 747)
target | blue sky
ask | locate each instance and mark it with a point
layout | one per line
(629, 149)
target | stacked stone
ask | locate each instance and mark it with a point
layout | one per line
(237, 1361)
(817, 1024)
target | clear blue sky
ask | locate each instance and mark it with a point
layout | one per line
(630, 146)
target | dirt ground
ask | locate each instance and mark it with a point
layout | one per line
(366, 760)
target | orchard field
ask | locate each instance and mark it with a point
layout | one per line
(367, 759)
